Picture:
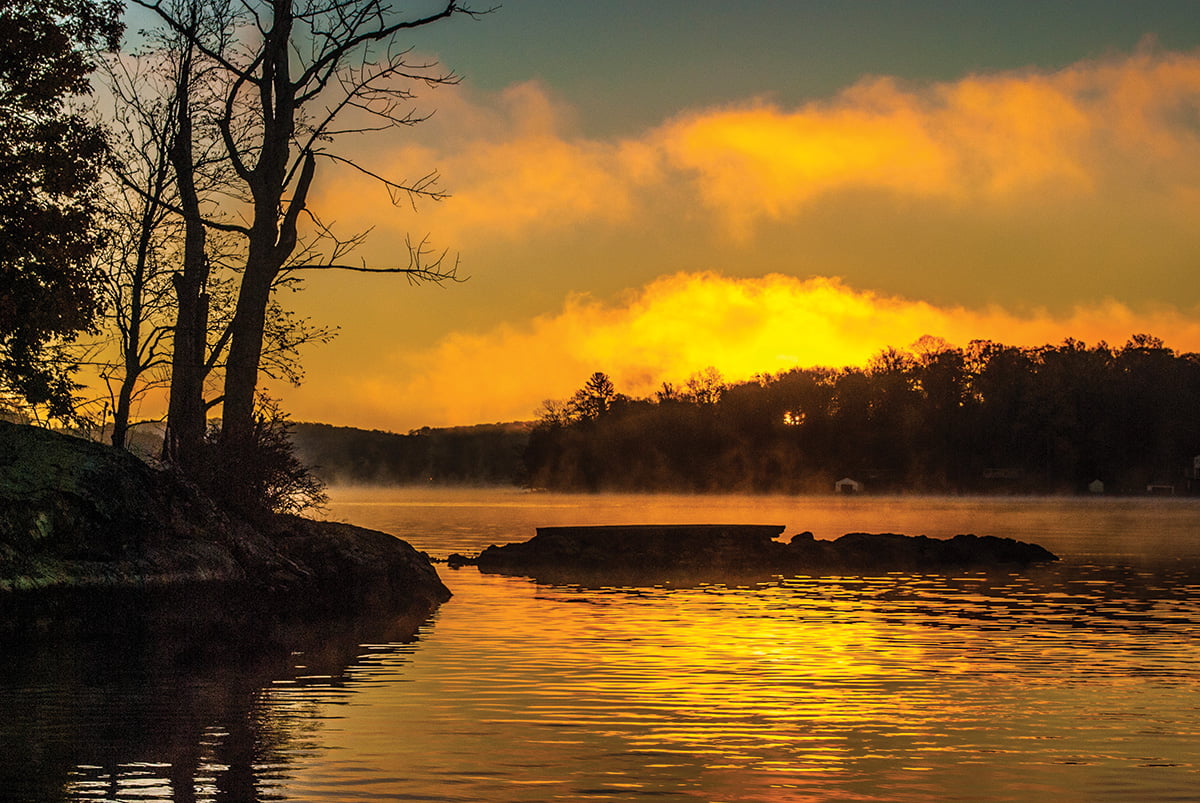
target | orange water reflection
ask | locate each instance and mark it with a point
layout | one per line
(889, 688)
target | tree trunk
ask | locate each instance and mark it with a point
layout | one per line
(186, 409)
(131, 345)
(271, 239)
(245, 354)
(131, 341)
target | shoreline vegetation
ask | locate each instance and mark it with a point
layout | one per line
(77, 516)
(936, 418)
(149, 241)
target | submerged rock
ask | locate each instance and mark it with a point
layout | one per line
(76, 515)
(714, 552)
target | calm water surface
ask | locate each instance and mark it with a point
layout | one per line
(1080, 681)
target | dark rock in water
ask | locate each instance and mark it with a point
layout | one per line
(648, 547)
(76, 514)
(892, 552)
(714, 552)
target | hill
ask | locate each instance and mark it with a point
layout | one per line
(487, 454)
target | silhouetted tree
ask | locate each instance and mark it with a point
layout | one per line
(292, 71)
(150, 240)
(594, 399)
(50, 161)
(706, 387)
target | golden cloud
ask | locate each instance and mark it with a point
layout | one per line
(983, 138)
(683, 323)
(513, 165)
(514, 162)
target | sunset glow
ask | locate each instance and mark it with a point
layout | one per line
(1024, 206)
(681, 324)
(518, 164)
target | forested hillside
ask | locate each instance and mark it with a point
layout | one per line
(489, 454)
(936, 418)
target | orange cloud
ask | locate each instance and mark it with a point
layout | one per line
(682, 323)
(514, 162)
(978, 138)
(509, 163)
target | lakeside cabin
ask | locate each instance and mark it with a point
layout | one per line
(847, 485)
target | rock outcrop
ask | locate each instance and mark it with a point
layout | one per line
(76, 515)
(715, 552)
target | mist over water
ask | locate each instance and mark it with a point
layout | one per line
(466, 520)
(1073, 681)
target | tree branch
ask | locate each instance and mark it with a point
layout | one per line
(421, 188)
(419, 269)
(346, 44)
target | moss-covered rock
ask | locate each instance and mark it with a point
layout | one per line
(76, 514)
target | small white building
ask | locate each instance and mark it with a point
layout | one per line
(1096, 487)
(847, 486)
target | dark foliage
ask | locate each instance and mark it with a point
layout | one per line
(266, 476)
(986, 418)
(50, 158)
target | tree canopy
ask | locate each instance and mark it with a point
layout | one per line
(50, 159)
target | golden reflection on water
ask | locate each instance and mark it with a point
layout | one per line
(1075, 682)
(890, 688)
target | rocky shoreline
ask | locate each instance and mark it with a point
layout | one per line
(77, 516)
(709, 551)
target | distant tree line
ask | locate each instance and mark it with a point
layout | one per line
(489, 454)
(935, 418)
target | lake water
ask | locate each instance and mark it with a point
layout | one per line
(1078, 681)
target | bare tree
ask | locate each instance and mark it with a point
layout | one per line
(140, 234)
(298, 75)
(190, 360)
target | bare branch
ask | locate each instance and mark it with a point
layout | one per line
(339, 47)
(421, 188)
(190, 34)
(425, 264)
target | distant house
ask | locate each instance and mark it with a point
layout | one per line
(847, 486)
(1096, 487)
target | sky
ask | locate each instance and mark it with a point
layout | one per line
(652, 188)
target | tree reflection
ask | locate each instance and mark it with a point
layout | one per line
(119, 698)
